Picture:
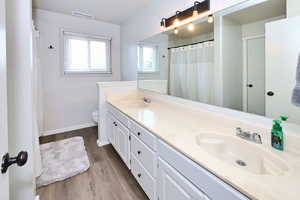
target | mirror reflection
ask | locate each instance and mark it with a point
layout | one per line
(237, 60)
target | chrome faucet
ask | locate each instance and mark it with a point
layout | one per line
(247, 135)
(147, 100)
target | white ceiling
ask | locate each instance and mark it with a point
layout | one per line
(113, 11)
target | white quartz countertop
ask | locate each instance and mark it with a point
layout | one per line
(179, 125)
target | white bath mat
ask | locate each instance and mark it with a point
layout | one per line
(62, 159)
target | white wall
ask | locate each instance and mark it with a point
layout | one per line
(293, 8)
(20, 110)
(68, 99)
(257, 28)
(177, 41)
(146, 23)
(232, 64)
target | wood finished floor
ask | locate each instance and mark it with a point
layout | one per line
(108, 178)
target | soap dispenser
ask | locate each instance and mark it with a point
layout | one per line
(277, 133)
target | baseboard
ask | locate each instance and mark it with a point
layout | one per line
(101, 144)
(71, 128)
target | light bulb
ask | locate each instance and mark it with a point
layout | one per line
(176, 22)
(176, 31)
(210, 19)
(191, 26)
(195, 13)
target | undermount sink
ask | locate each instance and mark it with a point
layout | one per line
(241, 154)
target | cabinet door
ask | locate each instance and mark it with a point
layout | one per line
(114, 134)
(110, 127)
(281, 64)
(172, 185)
(123, 143)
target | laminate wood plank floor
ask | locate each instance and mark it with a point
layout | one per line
(108, 178)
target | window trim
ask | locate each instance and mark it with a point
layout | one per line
(106, 39)
(157, 68)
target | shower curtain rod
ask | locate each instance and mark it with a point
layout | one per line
(191, 44)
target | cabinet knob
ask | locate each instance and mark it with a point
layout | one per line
(270, 93)
(115, 123)
(139, 133)
(139, 152)
(139, 175)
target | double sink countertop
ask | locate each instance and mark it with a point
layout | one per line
(209, 139)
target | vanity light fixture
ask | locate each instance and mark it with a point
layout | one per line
(177, 20)
(210, 19)
(191, 26)
(176, 31)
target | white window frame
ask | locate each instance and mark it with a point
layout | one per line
(89, 37)
(140, 59)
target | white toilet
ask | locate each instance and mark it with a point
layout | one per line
(95, 116)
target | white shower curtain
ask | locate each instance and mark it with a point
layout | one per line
(191, 72)
(37, 107)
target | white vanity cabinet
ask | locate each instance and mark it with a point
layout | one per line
(110, 129)
(163, 172)
(212, 186)
(172, 185)
(119, 136)
(122, 137)
(144, 159)
(143, 177)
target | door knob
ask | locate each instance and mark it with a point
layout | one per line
(250, 85)
(270, 93)
(7, 161)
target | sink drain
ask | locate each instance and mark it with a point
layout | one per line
(241, 163)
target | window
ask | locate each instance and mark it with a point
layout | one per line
(147, 59)
(86, 54)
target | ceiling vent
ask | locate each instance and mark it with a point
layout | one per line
(82, 14)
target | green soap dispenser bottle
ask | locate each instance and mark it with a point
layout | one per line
(277, 133)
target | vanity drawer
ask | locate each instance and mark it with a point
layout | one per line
(214, 187)
(144, 135)
(143, 178)
(119, 115)
(144, 154)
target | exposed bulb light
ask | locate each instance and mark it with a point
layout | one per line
(176, 21)
(176, 31)
(210, 19)
(195, 11)
(191, 26)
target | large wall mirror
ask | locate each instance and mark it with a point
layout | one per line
(245, 60)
